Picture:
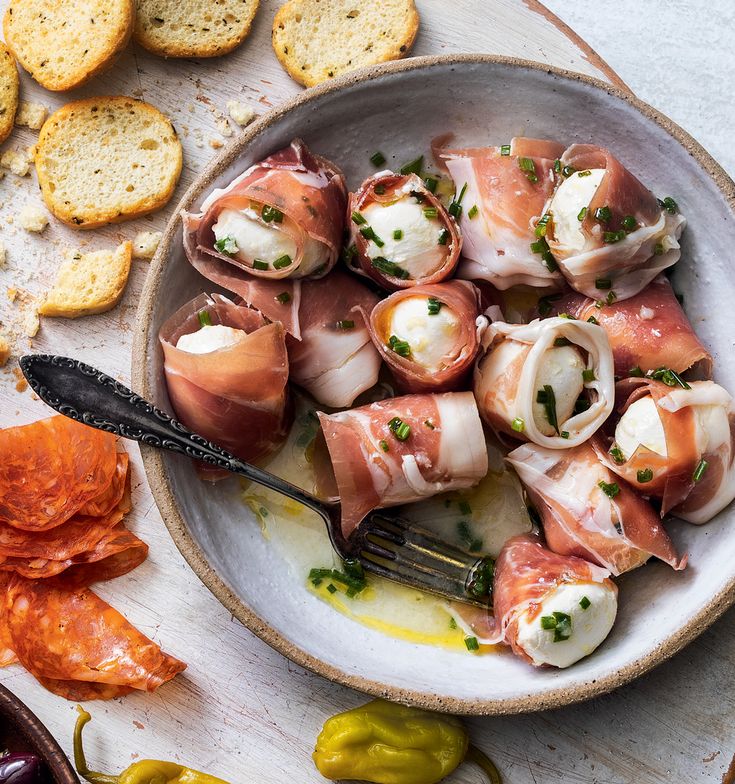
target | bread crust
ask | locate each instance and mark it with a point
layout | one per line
(9, 86)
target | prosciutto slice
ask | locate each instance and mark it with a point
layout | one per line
(292, 191)
(550, 382)
(398, 451)
(401, 234)
(586, 513)
(694, 475)
(505, 189)
(647, 331)
(236, 396)
(626, 238)
(429, 335)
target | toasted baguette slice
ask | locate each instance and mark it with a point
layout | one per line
(8, 92)
(64, 43)
(89, 283)
(107, 160)
(193, 28)
(316, 40)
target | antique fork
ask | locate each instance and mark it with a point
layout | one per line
(383, 544)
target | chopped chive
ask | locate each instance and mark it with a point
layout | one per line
(429, 424)
(610, 489)
(559, 342)
(548, 622)
(434, 305)
(471, 644)
(564, 434)
(400, 347)
(518, 425)
(227, 246)
(636, 372)
(455, 208)
(593, 320)
(384, 446)
(584, 602)
(414, 166)
(542, 225)
(430, 212)
(547, 398)
(332, 588)
(603, 283)
(353, 577)
(473, 212)
(557, 166)
(465, 508)
(358, 218)
(581, 214)
(282, 262)
(398, 234)
(545, 305)
(568, 171)
(379, 189)
(603, 214)
(588, 375)
(613, 236)
(505, 149)
(630, 223)
(369, 234)
(271, 214)
(658, 249)
(585, 173)
(443, 237)
(700, 469)
(645, 475)
(668, 376)
(669, 205)
(389, 268)
(283, 297)
(260, 265)
(542, 247)
(345, 324)
(560, 623)
(377, 158)
(452, 623)
(617, 455)
(349, 253)
(205, 320)
(400, 429)
(527, 165)
(430, 184)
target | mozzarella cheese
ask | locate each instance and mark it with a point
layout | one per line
(418, 251)
(571, 197)
(641, 425)
(432, 338)
(561, 368)
(210, 338)
(256, 239)
(588, 627)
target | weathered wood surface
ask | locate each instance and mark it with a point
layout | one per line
(241, 710)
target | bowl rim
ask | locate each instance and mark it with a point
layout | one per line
(38, 736)
(159, 479)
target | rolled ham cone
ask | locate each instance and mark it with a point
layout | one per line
(282, 218)
(648, 331)
(505, 190)
(398, 451)
(587, 512)
(677, 445)
(608, 232)
(429, 335)
(401, 234)
(531, 372)
(228, 379)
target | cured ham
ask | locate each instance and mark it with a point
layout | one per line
(647, 331)
(552, 609)
(502, 192)
(587, 513)
(226, 373)
(676, 441)
(282, 218)
(608, 232)
(550, 382)
(61, 466)
(401, 234)
(398, 451)
(429, 335)
(76, 644)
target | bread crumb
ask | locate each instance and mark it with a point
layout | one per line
(12, 294)
(216, 144)
(4, 350)
(31, 323)
(241, 113)
(223, 126)
(20, 380)
(145, 244)
(3, 255)
(33, 218)
(18, 161)
(32, 115)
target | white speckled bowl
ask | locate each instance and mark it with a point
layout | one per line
(399, 108)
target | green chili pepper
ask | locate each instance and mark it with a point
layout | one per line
(141, 772)
(386, 743)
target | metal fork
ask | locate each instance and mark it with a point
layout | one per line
(382, 544)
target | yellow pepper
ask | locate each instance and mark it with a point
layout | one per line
(141, 772)
(387, 743)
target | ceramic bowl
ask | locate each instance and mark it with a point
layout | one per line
(21, 730)
(399, 108)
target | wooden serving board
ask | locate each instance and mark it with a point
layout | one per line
(242, 711)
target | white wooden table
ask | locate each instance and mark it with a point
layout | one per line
(241, 711)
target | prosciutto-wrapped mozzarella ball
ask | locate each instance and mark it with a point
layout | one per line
(608, 232)
(429, 335)
(502, 192)
(401, 234)
(552, 609)
(677, 444)
(227, 374)
(282, 218)
(550, 381)
(587, 513)
(648, 331)
(398, 451)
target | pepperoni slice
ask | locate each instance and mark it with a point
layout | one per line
(116, 495)
(62, 636)
(51, 469)
(6, 652)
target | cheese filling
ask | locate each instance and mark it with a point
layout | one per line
(570, 199)
(431, 337)
(561, 369)
(641, 425)
(210, 338)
